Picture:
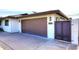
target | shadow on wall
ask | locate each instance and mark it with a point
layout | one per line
(1, 30)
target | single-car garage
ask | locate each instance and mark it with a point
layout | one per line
(36, 26)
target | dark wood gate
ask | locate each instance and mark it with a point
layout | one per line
(63, 30)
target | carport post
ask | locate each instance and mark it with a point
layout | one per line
(50, 27)
(74, 31)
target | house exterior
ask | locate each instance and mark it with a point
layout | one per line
(42, 23)
(9, 24)
(50, 24)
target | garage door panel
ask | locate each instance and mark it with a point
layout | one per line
(63, 30)
(35, 26)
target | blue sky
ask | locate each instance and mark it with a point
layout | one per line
(6, 12)
(7, 7)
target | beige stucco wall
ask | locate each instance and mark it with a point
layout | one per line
(41, 16)
(59, 18)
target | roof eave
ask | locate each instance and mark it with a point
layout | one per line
(44, 13)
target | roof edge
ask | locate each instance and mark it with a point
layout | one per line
(46, 12)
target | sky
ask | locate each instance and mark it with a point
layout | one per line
(68, 7)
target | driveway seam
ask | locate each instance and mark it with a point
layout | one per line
(6, 45)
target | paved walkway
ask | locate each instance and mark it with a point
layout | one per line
(21, 41)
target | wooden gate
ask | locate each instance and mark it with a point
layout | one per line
(63, 30)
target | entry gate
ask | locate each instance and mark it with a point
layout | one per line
(63, 30)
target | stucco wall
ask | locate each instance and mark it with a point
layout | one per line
(41, 16)
(50, 27)
(6, 28)
(12, 27)
(74, 31)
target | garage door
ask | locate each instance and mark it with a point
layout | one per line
(35, 26)
(63, 30)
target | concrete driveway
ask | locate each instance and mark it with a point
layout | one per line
(22, 41)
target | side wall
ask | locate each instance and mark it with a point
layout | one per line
(6, 28)
(12, 27)
(74, 31)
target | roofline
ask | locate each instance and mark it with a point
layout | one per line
(13, 17)
(38, 14)
(45, 13)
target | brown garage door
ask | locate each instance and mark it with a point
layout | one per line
(35, 26)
